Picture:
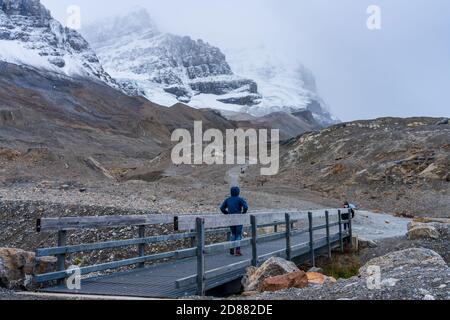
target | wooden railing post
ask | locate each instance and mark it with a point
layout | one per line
(141, 246)
(288, 237)
(192, 240)
(311, 239)
(61, 258)
(254, 224)
(341, 238)
(200, 229)
(327, 219)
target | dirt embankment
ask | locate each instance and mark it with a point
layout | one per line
(393, 165)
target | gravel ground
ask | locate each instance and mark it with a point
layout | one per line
(376, 226)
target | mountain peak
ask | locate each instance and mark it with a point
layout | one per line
(29, 8)
(136, 21)
(29, 36)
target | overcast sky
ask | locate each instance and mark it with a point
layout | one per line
(401, 70)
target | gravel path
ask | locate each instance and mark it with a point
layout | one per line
(376, 226)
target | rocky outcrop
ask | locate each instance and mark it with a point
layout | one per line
(412, 274)
(254, 278)
(17, 268)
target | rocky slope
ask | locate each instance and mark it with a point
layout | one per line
(30, 36)
(397, 165)
(53, 126)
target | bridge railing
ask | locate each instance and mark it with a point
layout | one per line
(193, 227)
(316, 221)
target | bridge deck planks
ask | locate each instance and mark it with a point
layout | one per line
(158, 281)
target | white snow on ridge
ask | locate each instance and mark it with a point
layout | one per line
(282, 81)
(16, 52)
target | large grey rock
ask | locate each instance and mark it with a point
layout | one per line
(410, 258)
(254, 278)
(422, 231)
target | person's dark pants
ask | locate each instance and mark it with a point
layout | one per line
(236, 235)
(346, 217)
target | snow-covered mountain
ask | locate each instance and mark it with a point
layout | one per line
(134, 56)
(168, 68)
(284, 83)
(30, 36)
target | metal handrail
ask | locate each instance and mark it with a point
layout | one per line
(62, 250)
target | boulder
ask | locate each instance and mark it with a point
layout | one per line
(442, 122)
(414, 257)
(366, 243)
(423, 231)
(17, 267)
(273, 267)
(296, 279)
(316, 278)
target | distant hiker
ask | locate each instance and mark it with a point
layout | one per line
(346, 216)
(235, 205)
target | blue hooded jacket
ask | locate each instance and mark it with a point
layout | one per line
(234, 204)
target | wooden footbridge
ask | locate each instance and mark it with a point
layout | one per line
(191, 269)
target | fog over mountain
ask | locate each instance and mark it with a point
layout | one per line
(401, 70)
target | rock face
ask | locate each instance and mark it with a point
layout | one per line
(17, 267)
(167, 68)
(30, 36)
(254, 279)
(296, 279)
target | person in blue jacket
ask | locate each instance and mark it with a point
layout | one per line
(235, 205)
